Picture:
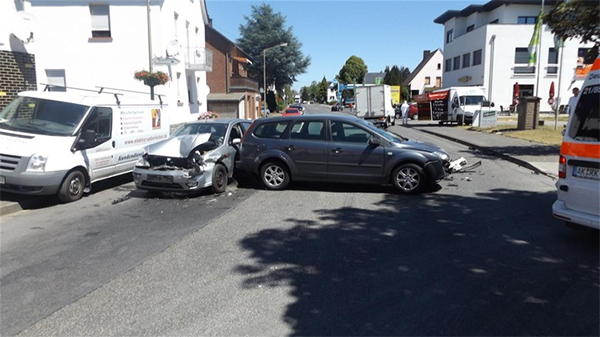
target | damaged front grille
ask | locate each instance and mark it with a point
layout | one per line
(192, 164)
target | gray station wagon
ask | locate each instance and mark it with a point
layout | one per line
(337, 148)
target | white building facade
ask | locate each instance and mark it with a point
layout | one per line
(88, 44)
(487, 45)
(427, 75)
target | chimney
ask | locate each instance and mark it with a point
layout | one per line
(426, 53)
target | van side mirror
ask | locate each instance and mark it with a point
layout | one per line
(454, 105)
(88, 137)
(236, 141)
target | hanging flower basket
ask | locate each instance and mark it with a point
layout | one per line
(151, 79)
(208, 115)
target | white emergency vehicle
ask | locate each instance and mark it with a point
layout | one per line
(60, 143)
(578, 186)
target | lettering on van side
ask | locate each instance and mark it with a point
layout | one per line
(130, 156)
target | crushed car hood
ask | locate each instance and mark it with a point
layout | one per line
(179, 146)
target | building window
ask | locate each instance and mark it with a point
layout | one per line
(470, 28)
(582, 57)
(526, 20)
(522, 57)
(427, 80)
(456, 63)
(100, 20)
(466, 60)
(449, 35)
(448, 66)
(477, 57)
(439, 66)
(438, 81)
(552, 61)
(494, 22)
(56, 80)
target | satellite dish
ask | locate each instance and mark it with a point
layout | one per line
(173, 48)
(24, 26)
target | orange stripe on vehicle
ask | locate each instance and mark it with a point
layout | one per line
(580, 150)
(596, 64)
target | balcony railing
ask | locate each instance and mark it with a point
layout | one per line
(198, 58)
(243, 84)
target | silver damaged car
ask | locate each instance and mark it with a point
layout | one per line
(198, 155)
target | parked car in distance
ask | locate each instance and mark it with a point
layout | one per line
(413, 112)
(199, 154)
(264, 111)
(291, 111)
(338, 148)
(297, 106)
(349, 103)
(337, 107)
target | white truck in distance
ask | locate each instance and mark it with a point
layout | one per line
(374, 103)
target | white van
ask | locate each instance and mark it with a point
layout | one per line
(60, 143)
(457, 104)
(578, 186)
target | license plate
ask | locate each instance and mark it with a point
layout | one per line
(160, 179)
(2, 180)
(586, 172)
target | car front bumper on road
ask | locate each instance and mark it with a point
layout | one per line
(171, 180)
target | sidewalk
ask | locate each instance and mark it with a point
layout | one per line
(540, 158)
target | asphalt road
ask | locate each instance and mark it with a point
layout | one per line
(479, 254)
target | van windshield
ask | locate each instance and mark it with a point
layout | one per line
(472, 100)
(42, 116)
(585, 125)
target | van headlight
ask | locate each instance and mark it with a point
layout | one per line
(37, 162)
(442, 156)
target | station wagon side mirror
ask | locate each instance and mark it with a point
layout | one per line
(374, 141)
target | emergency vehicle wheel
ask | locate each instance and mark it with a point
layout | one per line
(460, 120)
(219, 179)
(72, 187)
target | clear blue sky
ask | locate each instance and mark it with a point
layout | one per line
(382, 33)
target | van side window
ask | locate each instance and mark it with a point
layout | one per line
(271, 130)
(586, 125)
(99, 121)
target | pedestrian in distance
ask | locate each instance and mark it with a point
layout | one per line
(404, 108)
(572, 101)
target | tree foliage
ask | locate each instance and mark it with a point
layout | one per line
(577, 19)
(265, 29)
(353, 71)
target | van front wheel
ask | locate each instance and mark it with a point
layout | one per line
(72, 187)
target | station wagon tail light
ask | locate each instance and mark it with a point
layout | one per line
(562, 167)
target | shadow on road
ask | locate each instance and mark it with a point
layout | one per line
(433, 265)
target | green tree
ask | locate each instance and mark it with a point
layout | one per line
(322, 90)
(265, 29)
(304, 95)
(577, 19)
(392, 76)
(353, 71)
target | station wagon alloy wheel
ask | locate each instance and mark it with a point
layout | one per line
(275, 176)
(409, 178)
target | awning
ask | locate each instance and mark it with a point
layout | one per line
(233, 97)
(438, 95)
(242, 59)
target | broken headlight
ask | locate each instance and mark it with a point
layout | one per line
(143, 161)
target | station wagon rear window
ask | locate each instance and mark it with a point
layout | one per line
(272, 130)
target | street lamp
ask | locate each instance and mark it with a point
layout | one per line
(265, 70)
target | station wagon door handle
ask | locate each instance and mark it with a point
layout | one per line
(336, 151)
(291, 148)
